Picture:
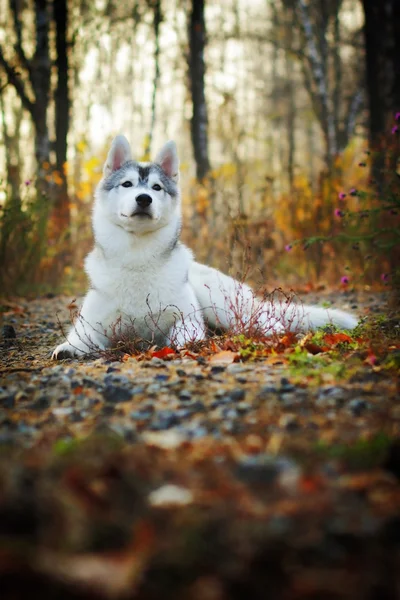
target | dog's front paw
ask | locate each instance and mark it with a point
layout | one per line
(66, 350)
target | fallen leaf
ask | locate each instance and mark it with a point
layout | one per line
(163, 352)
(337, 338)
(111, 573)
(170, 495)
(226, 357)
(164, 439)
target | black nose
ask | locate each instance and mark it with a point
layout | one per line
(143, 200)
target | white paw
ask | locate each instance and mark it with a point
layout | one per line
(183, 334)
(178, 340)
(66, 350)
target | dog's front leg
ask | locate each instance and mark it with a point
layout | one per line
(189, 329)
(87, 335)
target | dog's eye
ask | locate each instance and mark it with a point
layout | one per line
(156, 187)
(127, 184)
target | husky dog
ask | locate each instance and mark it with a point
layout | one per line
(145, 282)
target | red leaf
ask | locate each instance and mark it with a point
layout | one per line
(336, 338)
(163, 352)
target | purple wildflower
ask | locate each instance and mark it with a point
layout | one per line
(397, 116)
(344, 280)
(395, 129)
(353, 192)
(338, 213)
(342, 196)
(288, 247)
(28, 182)
(385, 277)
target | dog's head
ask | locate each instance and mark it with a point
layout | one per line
(140, 197)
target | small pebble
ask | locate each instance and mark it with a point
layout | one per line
(289, 421)
(257, 469)
(197, 406)
(141, 415)
(217, 369)
(8, 332)
(170, 495)
(237, 368)
(41, 403)
(358, 406)
(153, 388)
(161, 377)
(237, 395)
(331, 397)
(115, 394)
(8, 400)
(266, 392)
(164, 419)
(243, 407)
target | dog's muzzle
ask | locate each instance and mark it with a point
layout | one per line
(142, 209)
(143, 200)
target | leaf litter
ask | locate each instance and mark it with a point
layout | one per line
(237, 466)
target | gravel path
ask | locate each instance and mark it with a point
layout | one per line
(198, 479)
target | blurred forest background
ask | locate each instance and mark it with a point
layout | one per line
(285, 112)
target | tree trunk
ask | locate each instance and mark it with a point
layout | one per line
(62, 99)
(11, 213)
(156, 27)
(34, 90)
(382, 47)
(290, 116)
(199, 124)
(318, 69)
(61, 215)
(40, 75)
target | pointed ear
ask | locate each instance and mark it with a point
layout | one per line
(168, 160)
(119, 154)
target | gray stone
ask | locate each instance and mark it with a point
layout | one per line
(115, 394)
(358, 406)
(185, 396)
(164, 419)
(237, 395)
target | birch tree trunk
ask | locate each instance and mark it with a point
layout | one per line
(40, 70)
(321, 81)
(36, 71)
(157, 18)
